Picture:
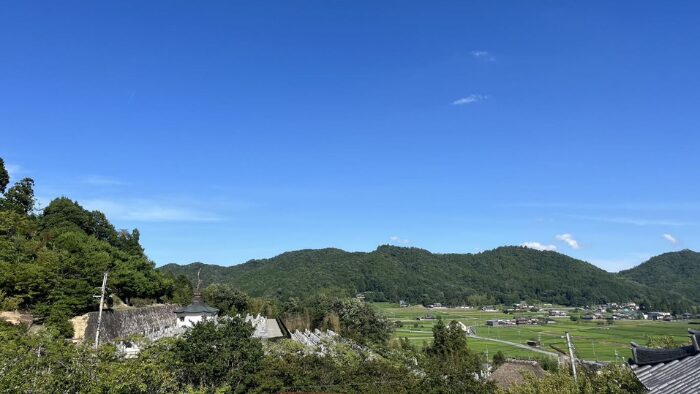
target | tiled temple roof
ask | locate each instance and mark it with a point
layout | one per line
(197, 306)
(668, 370)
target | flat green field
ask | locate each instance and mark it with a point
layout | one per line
(593, 340)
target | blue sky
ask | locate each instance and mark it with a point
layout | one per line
(227, 131)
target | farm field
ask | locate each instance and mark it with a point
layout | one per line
(593, 340)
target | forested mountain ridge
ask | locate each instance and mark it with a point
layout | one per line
(676, 271)
(502, 275)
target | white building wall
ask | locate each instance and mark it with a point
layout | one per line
(189, 320)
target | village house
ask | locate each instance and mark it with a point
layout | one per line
(557, 313)
(658, 315)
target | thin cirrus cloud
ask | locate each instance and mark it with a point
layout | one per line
(646, 206)
(633, 221)
(99, 180)
(472, 98)
(569, 240)
(483, 56)
(670, 238)
(398, 240)
(143, 210)
(538, 246)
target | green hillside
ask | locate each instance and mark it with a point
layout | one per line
(503, 275)
(52, 261)
(675, 271)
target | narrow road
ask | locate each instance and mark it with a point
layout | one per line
(518, 345)
(526, 347)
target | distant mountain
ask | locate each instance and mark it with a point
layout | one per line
(502, 275)
(676, 271)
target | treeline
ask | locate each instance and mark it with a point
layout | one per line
(52, 261)
(501, 276)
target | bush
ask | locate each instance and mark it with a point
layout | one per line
(8, 303)
(59, 322)
(211, 355)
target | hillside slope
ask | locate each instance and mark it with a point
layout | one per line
(503, 275)
(676, 271)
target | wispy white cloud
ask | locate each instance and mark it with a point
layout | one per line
(143, 210)
(634, 221)
(670, 238)
(538, 246)
(472, 98)
(98, 180)
(398, 240)
(483, 56)
(569, 239)
(645, 206)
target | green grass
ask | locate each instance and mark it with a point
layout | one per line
(594, 340)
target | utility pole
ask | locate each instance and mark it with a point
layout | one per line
(99, 316)
(571, 356)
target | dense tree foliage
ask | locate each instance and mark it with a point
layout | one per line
(4, 176)
(503, 275)
(214, 355)
(182, 290)
(614, 379)
(52, 262)
(678, 272)
(226, 299)
(225, 359)
(349, 317)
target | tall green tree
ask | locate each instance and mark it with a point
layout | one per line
(212, 355)
(20, 197)
(4, 176)
(225, 298)
(182, 290)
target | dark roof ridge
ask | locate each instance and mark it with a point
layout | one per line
(646, 356)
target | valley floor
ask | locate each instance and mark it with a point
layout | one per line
(593, 340)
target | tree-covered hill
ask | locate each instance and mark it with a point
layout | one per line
(675, 271)
(502, 275)
(52, 261)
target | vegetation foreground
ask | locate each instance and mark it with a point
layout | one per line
(224, 358)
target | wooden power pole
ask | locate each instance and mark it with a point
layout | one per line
(99, 316)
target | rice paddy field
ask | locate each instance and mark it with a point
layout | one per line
(594, 340)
